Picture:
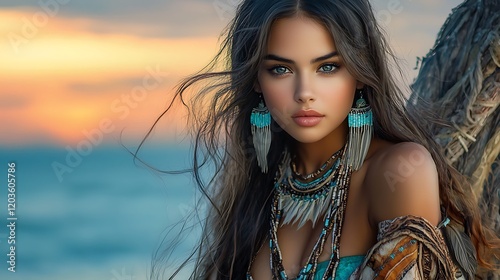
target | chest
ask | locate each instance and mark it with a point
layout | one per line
(296, 244)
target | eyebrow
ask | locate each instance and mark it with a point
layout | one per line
(286, 60)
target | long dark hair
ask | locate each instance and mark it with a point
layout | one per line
(238, 193)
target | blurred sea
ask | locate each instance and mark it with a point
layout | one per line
(104, 220)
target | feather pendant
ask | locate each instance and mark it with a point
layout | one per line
(300, 211)
(461, 248)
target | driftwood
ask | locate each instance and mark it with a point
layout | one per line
(459, 81)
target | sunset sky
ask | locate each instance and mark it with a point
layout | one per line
(69, 69)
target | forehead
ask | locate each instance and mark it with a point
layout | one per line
(299, 36)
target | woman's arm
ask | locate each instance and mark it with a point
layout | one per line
(403, 181)
(403, 189)
(408, 247)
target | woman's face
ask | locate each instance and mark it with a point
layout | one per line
(305, 85)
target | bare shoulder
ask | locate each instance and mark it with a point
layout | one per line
(402, 180)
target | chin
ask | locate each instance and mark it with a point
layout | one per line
(307, 138)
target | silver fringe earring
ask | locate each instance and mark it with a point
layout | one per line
(260, 121)
(360, 121)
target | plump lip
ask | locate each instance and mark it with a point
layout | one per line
(307, 113)
(307, 118)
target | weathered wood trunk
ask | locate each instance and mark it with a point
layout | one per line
(459, 80)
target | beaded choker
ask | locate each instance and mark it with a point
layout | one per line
(317, 172)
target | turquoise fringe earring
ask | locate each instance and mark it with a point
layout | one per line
(360, 121)
(260, 121)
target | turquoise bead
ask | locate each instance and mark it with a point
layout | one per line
(358, 120)
(260, 120)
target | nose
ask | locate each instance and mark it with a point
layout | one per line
(303, 90)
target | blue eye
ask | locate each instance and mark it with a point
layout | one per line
(329, 68)
(279, 70)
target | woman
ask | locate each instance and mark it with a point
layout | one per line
(323, 174)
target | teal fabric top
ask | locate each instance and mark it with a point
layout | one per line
(347, 265)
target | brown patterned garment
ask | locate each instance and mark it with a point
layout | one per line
(408, 247)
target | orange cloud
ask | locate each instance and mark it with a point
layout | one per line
(72, 78)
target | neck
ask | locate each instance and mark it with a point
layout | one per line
(311, 156)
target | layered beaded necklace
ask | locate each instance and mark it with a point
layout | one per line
(324, 194)
(302, 199)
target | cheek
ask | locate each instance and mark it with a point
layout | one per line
(276, 88)
(337, 95)
(278, 107)
(278, 94)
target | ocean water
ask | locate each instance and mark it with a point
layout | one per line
(103, 218)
